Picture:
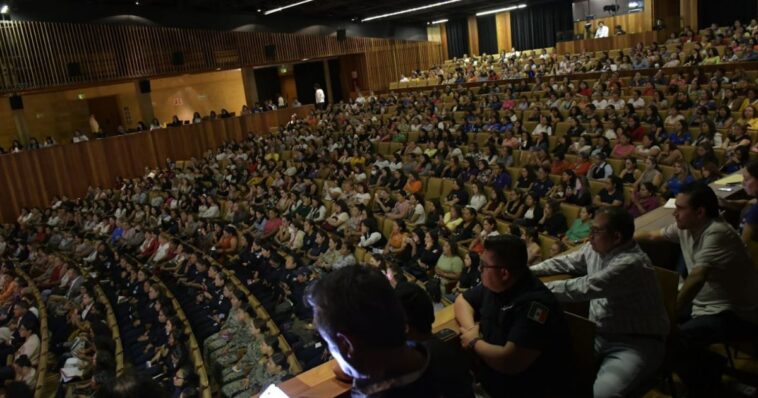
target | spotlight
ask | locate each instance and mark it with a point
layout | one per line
(4, 9)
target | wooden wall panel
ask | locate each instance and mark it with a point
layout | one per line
(386, 65)
(688, 10)
(32, 178)
(443, 40)
(473, 36)
(669, 12)
(504, 36)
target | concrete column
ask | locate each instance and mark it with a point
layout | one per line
(145, 101)
(22, 128)
(249, 86)
(328, 80)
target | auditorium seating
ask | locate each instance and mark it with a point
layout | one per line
(434, 188)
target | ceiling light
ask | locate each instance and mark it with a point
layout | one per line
(438, 21)
(4, 9)
(392, 14)
(273, 10)
(506, 9)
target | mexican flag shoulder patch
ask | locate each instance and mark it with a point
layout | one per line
(538, 312)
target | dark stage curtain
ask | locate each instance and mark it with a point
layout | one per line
(536, 26)
(267, 81)
(725, 13)
(487, 34)
(335, 76)
(457, 37)
(306, 75)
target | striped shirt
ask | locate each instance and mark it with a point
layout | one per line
(621, 286)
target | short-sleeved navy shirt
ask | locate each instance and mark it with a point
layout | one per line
(529, 316)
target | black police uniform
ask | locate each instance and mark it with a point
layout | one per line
(529, 316)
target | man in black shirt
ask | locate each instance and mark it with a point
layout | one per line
(357, 313)
(514, 326)
(458, 196)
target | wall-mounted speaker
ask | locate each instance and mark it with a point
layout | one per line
(17, 103)
(144, 86)
(74, 69)
(177, 58)
(341, 34)
(270, 50)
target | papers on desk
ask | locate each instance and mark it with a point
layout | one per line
(735, 178)
(670, 204)
(729, 188)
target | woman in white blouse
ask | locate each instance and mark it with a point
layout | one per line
(478, 198)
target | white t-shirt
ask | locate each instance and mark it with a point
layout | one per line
(602, 31)
(419, 209)
(732, 284)
(637, 103)
(600, 104)
(320, 96)
(477, 201)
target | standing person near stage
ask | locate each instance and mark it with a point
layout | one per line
(320, 97)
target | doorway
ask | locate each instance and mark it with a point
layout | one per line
(106, 112)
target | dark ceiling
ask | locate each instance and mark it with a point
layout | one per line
(345, 10)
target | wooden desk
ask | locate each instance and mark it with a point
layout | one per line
(661, 217)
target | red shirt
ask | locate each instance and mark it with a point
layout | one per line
(638, 133)
(272, 225)
(150, 248)
(581, 169)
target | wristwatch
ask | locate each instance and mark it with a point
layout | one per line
(472, 344)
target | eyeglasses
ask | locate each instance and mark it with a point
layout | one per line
(482, 266)
(596, 230)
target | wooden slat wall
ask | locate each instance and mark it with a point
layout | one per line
(503, 26)
(32, 178)
(443, 40)
(688, 9)
(35, 55)
(473, 36)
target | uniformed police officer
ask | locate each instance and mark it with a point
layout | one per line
(514, 326)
